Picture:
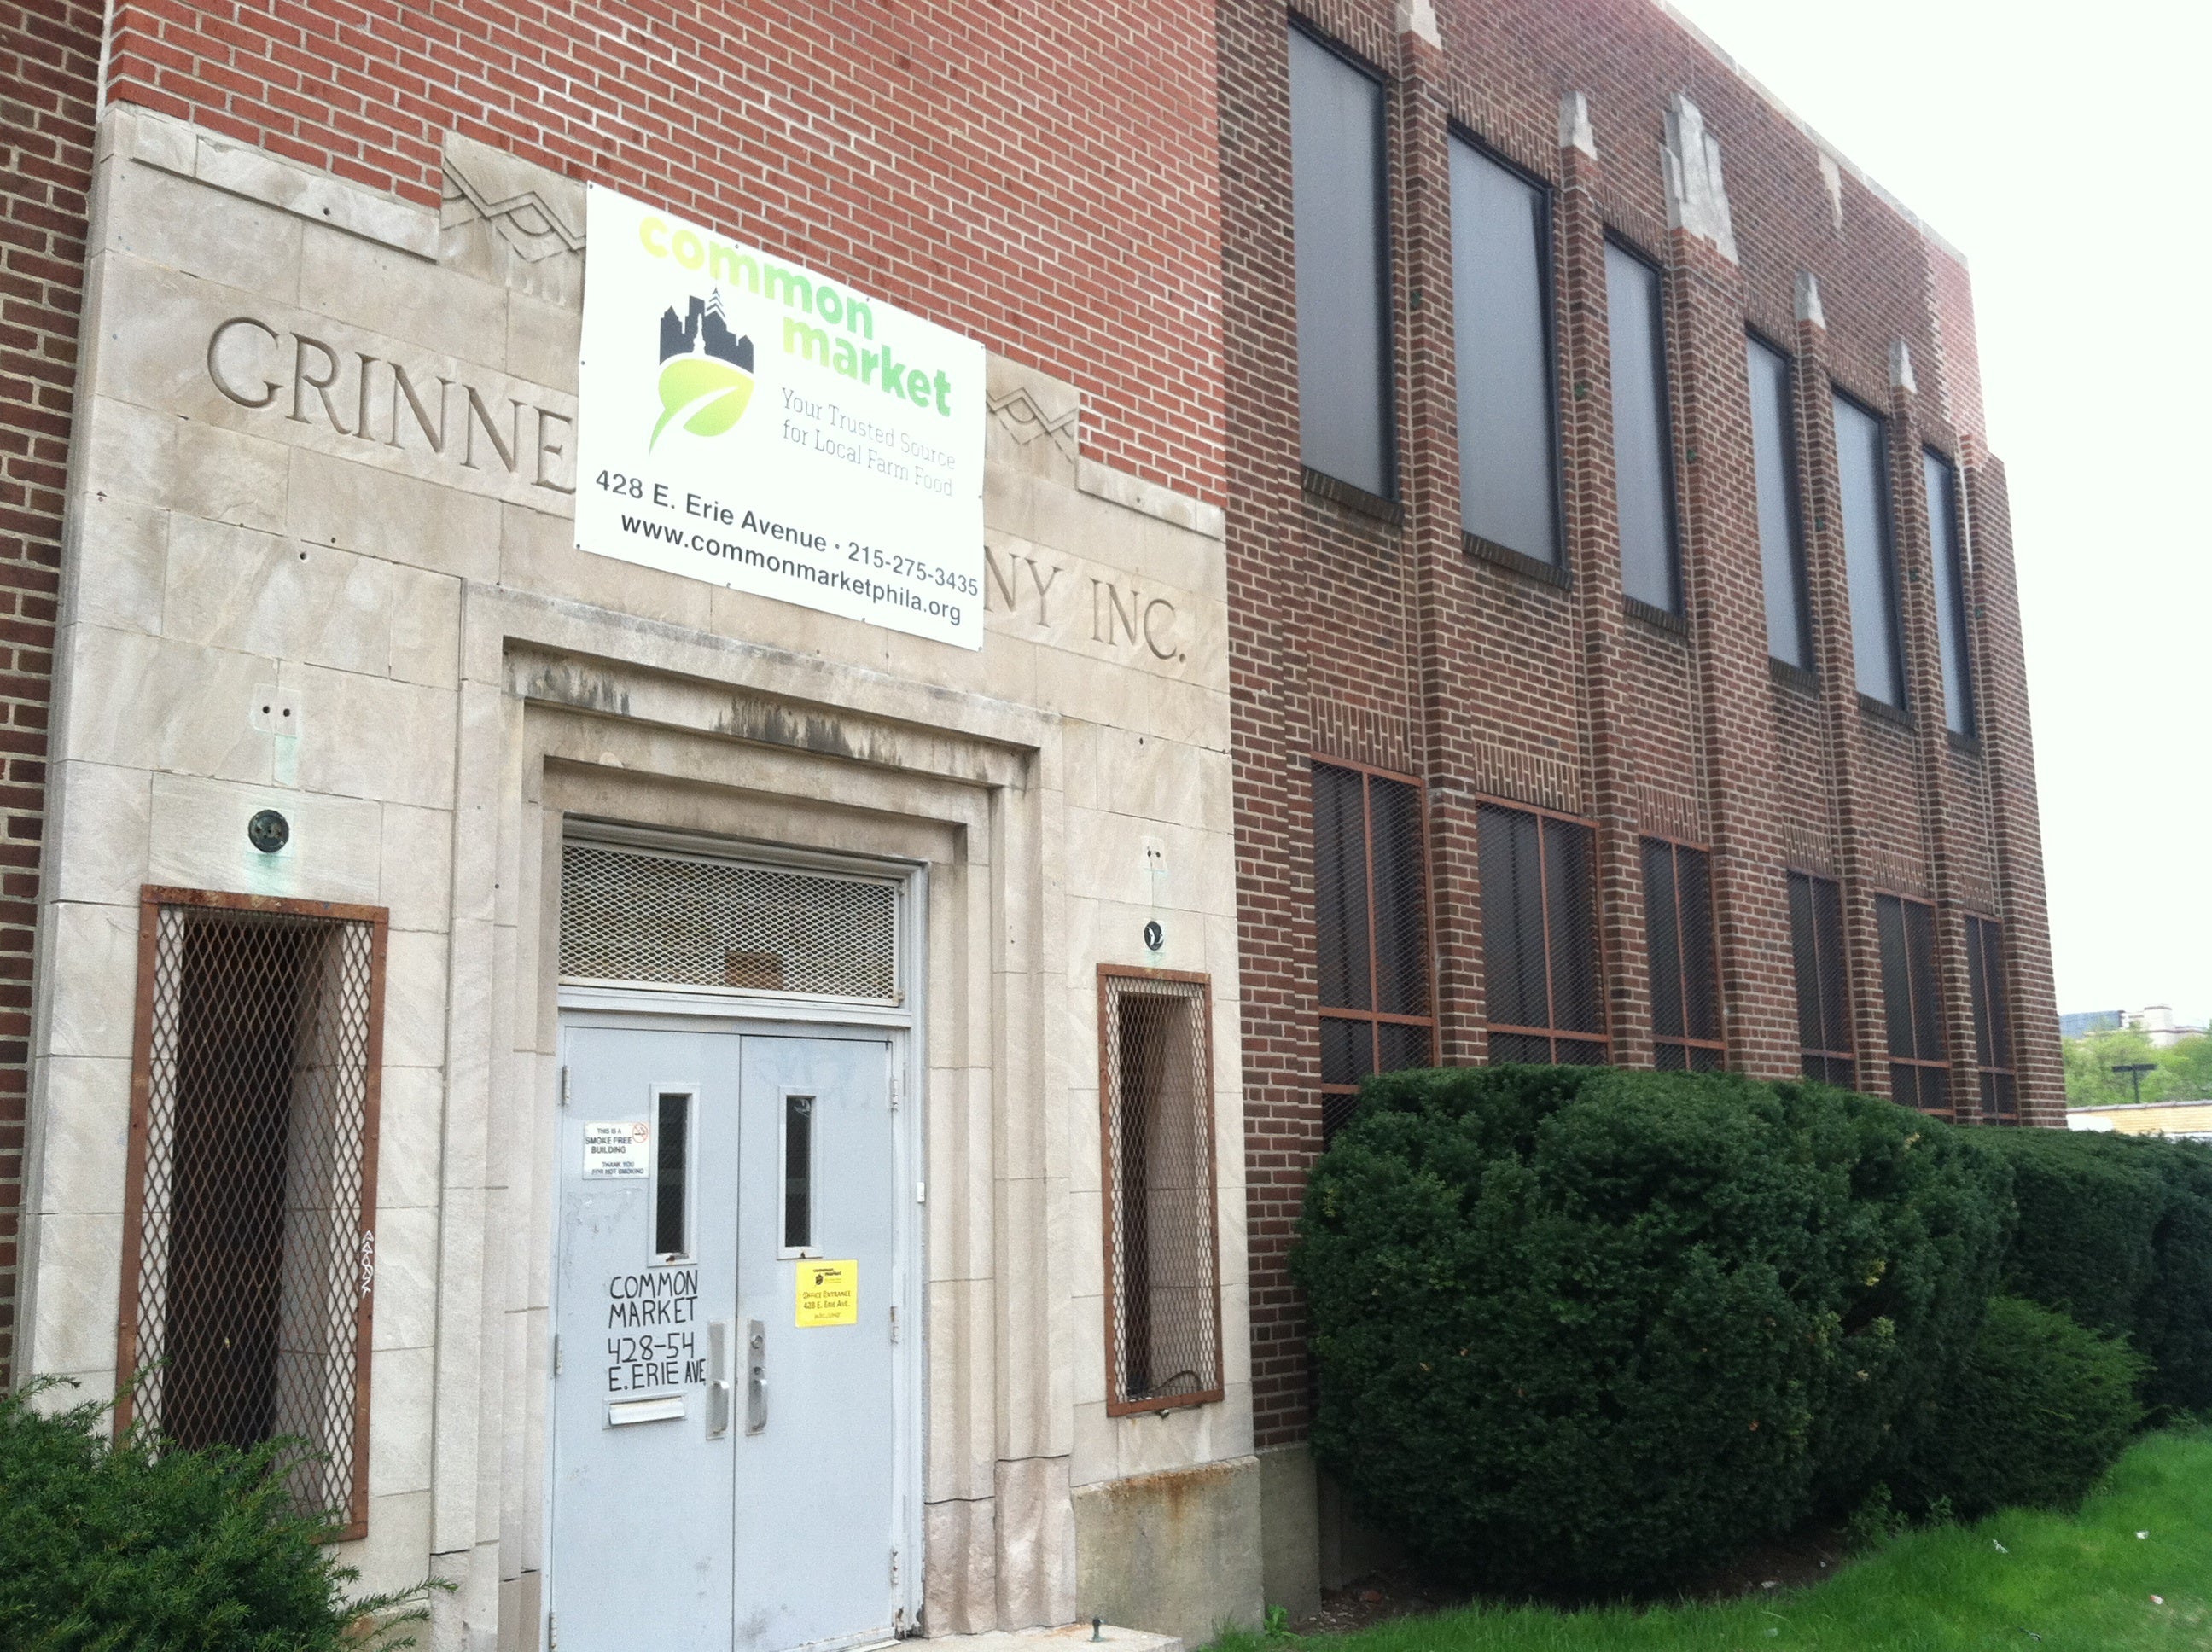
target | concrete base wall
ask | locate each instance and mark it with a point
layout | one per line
(1290, 1530)
(1351, 1549)
(1177, 1553)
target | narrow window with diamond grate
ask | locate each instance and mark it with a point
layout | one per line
(1163, 1263)
(1678, 931)
(250, 1215)
(632, 915)
(1918, 1073)
(1370, 932)
(1816, 939)
(1539, 938)
(1992, 1020)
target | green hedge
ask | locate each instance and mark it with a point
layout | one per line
(122, 1547)
(1580, 1329)
(2116, 1232)
(2041, 1409)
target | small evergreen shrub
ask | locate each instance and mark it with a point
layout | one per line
(118, 1546)
(2041, 1409)
(1585, 1331)
(2115, 1232)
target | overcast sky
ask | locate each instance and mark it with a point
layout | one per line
(2061, 152)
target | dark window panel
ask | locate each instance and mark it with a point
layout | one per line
(1501, 310)
(1402, 1044)
(1774, 454)
(1570, 894)
(1401, 898)
(1701, 1009)
(1508, 842)
(1643, 457)
(1927, 1015)
(1340, 926)
(1863, 472)
(1338, 225)
(1347, 1050)
(1896, 973)
(1662, 939)
(1835, 1002)
(1816, 943)
(1946, 552)
(1521, 1050)
(1911, 1005)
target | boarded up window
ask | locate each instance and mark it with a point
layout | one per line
(1917, 1072)
(1985, 976)
(1162, 1265)
(1678, 930)
(1816, 938)
(1370, 932)
(1539, 938)
(249, 1245)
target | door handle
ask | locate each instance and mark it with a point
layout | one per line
(756, 1376)
(718, 1379)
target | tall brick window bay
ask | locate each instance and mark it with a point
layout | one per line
(1370, 931)
(1539, 938)
(249, 1221)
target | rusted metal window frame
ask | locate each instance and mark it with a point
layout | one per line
(1109, 1226)
(152, 899)
(1555, 1034)
(1913, 1007)
(1678, 846)
(1370, 1019)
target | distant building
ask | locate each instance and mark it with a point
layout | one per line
(2175, 1120)
(2082, 1023)
(2157, 1020)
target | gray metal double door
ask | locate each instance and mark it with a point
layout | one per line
(725, 1402)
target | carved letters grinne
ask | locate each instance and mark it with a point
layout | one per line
(1122, 620)
(373, 400)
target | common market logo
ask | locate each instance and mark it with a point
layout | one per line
(706, 370)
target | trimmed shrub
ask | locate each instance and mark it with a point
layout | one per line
(1580, 1330)
(2041, 1409)
(2115, 1231)
(118, 1545)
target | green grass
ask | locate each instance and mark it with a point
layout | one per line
(2082, 1582)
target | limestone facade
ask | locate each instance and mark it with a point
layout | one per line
(274, 602)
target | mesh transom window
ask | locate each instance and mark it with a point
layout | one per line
(250, 1230)
(1162, 1268)
(635, 915)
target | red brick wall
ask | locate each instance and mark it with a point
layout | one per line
(49, 60)
(1041, 177)
(1355, 636)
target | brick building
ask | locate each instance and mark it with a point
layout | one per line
(1591, 679)
(1625, 645)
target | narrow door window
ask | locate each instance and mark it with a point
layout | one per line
(1370, 932)
(1678, 930)
(1862, 473)
(672, 1175)
(1947, 549)
(1539, 937)
(1163, 1267)
(1816, 942)
(1642, 448)
(1774, 462)
(1992, 1020)
(1917, 1069)
(1338, 222)
(798, 1176)
(1508, 491)
(249, 1247)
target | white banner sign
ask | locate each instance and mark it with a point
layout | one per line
(746, 422)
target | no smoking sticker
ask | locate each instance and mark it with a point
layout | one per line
(829, 1294)
(617, 1150)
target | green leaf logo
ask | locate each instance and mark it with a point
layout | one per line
(713, 394)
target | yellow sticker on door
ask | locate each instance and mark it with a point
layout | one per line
(829, 1294)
